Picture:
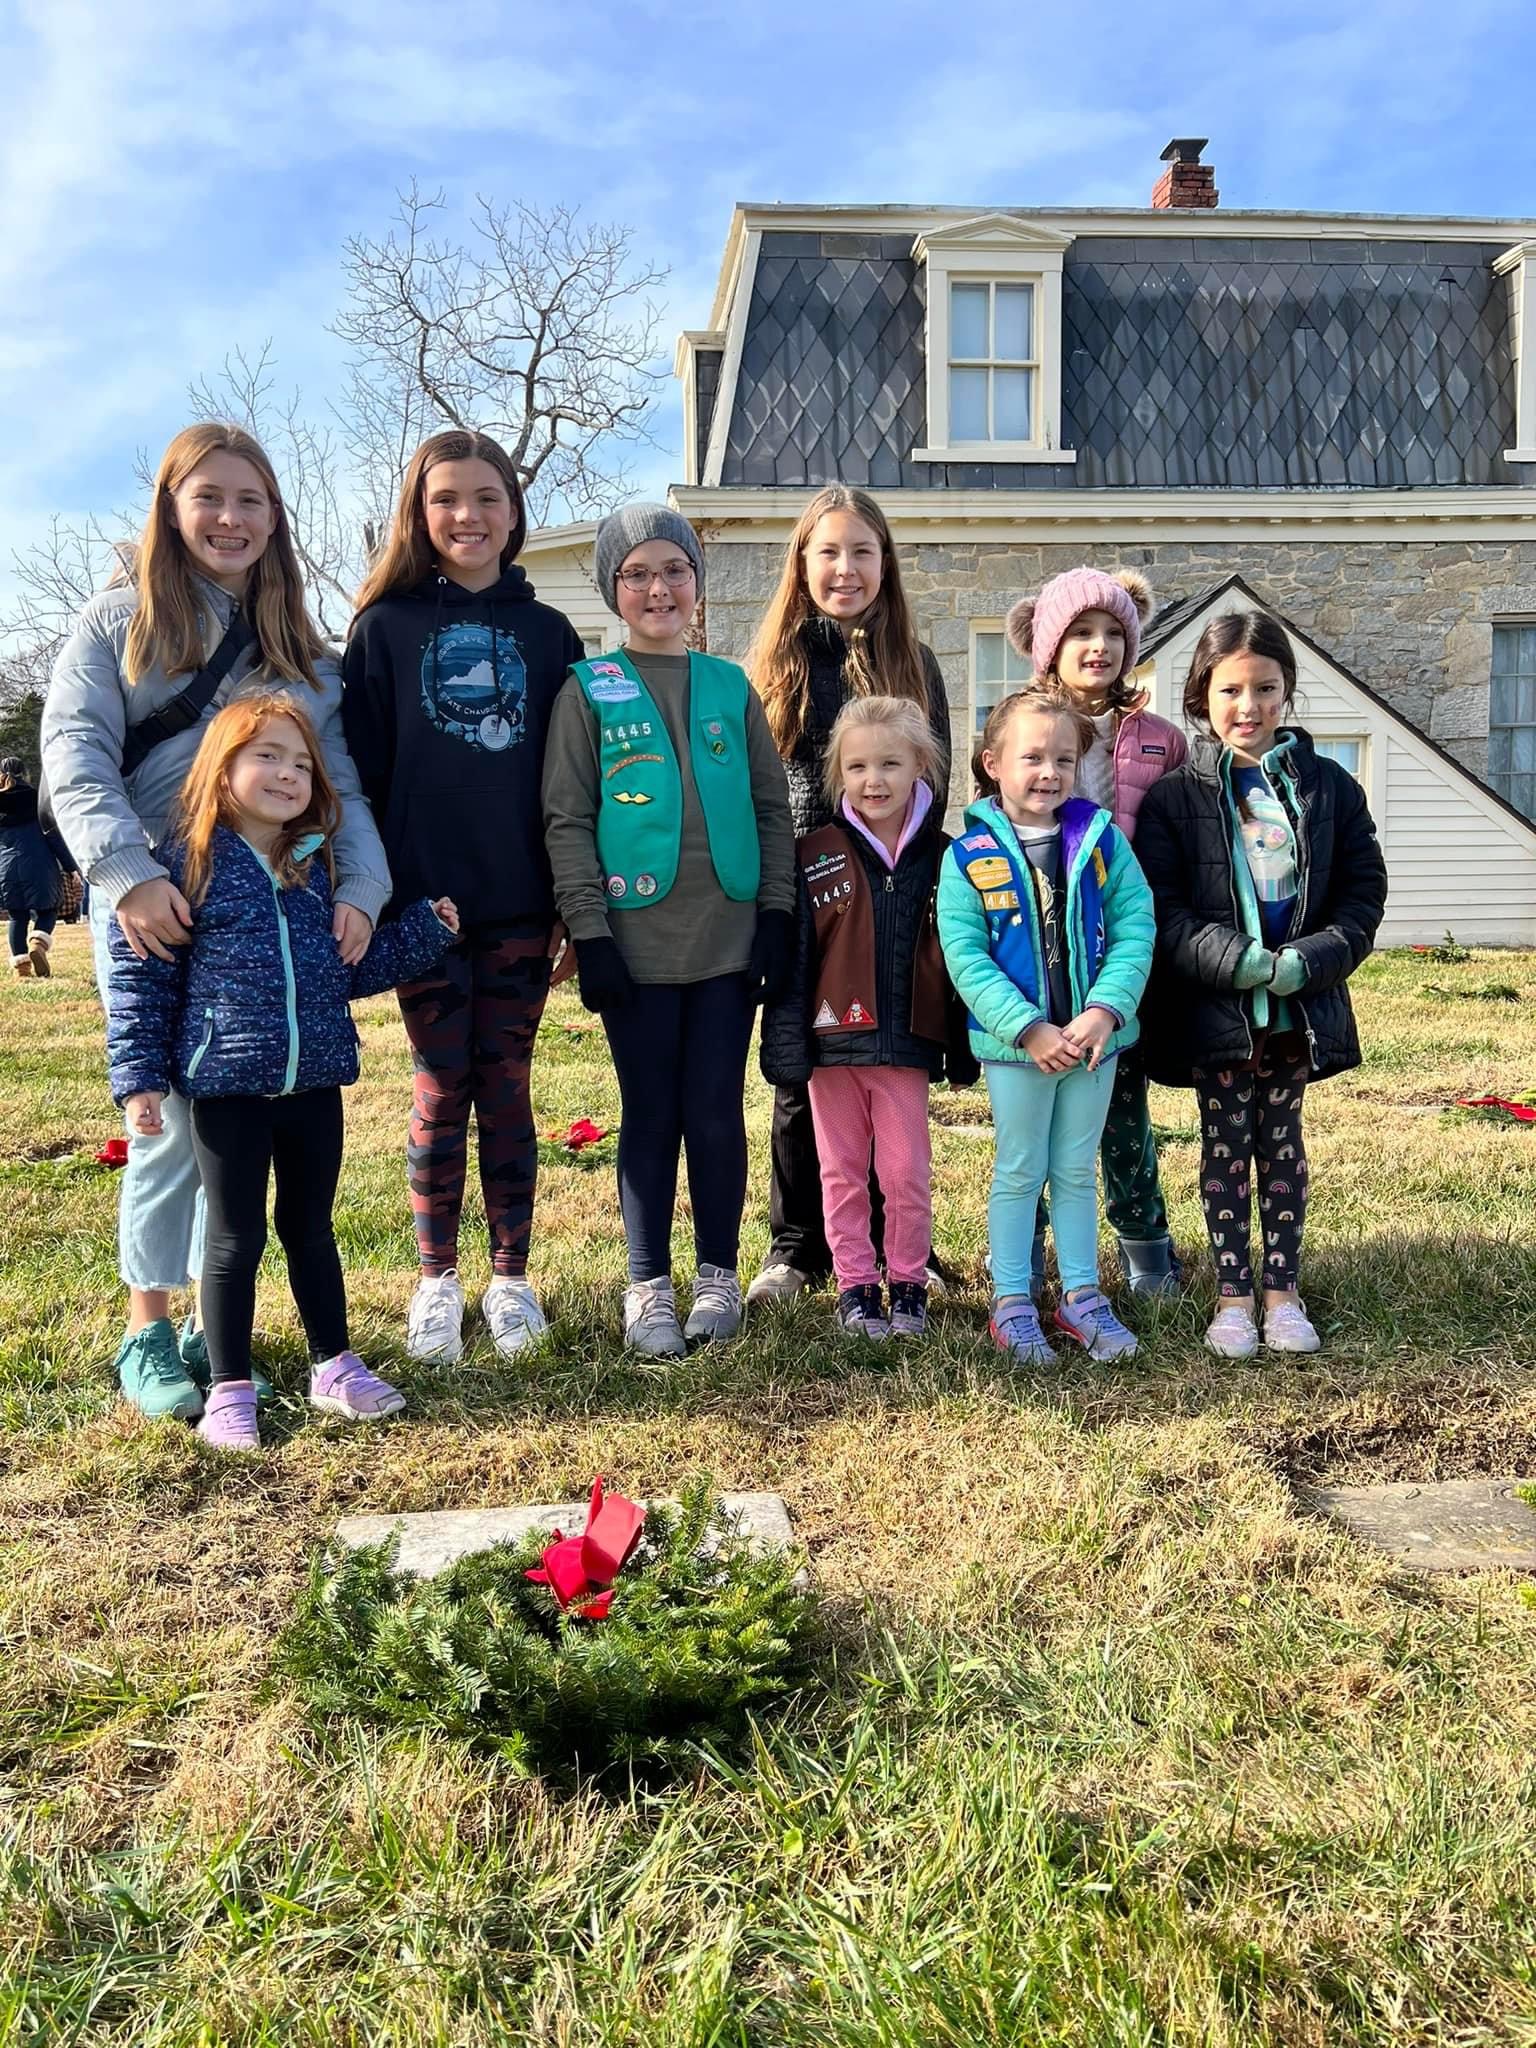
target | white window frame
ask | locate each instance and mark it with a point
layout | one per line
(994, 249)
(1519, 266)
(978, 627)
(1357, 736)
(1511, 622)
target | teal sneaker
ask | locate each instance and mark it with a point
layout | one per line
(193, 1346)
(152, 1376)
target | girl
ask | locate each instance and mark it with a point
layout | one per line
(869, 1017)
(1269, 885)
(1047, 928)
(1084, 631)
(669, 830)
(838, 628)
(249, 1021)
(32, 868)
(210, 605)
(452, 667)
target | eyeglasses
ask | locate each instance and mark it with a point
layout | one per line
(673, 574)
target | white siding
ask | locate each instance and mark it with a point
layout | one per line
(1456, 860)
(561, 573)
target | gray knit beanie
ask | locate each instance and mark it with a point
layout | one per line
(623, 531)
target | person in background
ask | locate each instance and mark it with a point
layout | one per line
(33, 865)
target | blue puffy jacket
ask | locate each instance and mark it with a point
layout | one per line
(256, 1004)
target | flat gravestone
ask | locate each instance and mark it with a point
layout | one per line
(432, 1541)
(1445, 1525)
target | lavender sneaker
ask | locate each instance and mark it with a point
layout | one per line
(1091, 1322)
(229, 1417)
(344, 1386)
(1015, 1328)
(1287, 1327)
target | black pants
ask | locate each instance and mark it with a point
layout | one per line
(40, 920)
(680, 1050)
(1245, 1116)
(798, 1233)
(239, 1140)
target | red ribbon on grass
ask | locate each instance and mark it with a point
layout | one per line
(1522, 1112)
(113, 1153)
(580, 1570)
(581, 1134)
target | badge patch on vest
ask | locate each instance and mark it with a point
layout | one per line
(990, 874)
(617, 887)
(857, 1014)
(612, 686)
(631, 796)
(979, 842)
(999, 899)
(825, 1019)
(645, 885)
(628, 761)
(1099, 869)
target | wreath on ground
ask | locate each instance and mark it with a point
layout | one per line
(703, 1628)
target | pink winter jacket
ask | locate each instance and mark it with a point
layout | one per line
(1146, 749)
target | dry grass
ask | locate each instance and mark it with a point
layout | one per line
(1114, 1745)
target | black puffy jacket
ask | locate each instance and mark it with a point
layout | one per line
(901, 898)
(1193, 1015)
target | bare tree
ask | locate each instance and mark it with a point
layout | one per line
(541, 333)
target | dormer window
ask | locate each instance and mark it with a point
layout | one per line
(1519, 266)
(993, 342)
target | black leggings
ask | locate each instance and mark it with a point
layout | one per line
(40, 920)
(239, 1140)
(680, 1050)
(1254, 1115)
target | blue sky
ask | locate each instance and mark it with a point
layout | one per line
(177, 181)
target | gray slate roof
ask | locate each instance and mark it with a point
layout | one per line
(1221, 362)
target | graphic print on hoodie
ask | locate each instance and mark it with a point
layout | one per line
(474, 683)
(446, 711)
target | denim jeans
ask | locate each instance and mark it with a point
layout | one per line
(160, 1219)
(1048, 1128)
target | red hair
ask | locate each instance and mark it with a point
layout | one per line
(205, 801)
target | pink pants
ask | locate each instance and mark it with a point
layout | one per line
(854, 1109)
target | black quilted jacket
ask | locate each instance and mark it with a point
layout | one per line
(826, 650)
(790, 1049)
(1192, 1014)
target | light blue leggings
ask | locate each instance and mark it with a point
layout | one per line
(1048, 1128)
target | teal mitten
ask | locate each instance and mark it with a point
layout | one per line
(1254, 968)
(1290, 973)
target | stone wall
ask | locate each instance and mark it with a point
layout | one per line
(1413, 619)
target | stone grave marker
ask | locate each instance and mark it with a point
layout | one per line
(431, 1541)
(1444, 1525)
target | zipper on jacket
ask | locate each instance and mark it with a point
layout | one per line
(1299, 909)
(1224, 804)
(207, 1039)
(290, 982)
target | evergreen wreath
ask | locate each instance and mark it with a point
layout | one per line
(705, 1627)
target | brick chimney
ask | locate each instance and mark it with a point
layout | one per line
(1187, 181)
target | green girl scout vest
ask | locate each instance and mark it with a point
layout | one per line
(640, 813)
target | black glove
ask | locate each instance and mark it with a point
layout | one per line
(772, 963)
(601, 976)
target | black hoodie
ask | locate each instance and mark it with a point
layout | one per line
(446, 708)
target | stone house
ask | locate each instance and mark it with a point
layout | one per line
(1336, 409)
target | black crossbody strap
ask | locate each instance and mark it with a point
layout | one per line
(187, 708)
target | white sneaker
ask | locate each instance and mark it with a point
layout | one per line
(1233, 1333)
(650, 1320)
(1287, 1327)
(716, 1311)
(512, 1315)
(778, 1282)
(434, 1326)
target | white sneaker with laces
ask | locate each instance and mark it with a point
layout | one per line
(1233, 1333)
(650, 1319)
(716, 1311)
(1287, 1327)
(777, 1282)
(434, 1325)
(512, 1315)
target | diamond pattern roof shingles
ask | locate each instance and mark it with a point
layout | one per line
(1233, 364)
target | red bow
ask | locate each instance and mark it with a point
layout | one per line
(580, 1134)
(1522, 1111)
(113, 1153)
(580, 1570)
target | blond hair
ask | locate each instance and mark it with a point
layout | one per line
(887, 714)
(205, 801)
(884, 656)
(169, 622)
(1045, 695)
(407, 553)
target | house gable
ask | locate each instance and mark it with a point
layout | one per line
(1458, 857)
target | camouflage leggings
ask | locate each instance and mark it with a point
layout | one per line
(1254, 1116)
(472, 1028)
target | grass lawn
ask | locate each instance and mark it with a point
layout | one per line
(1116, 1744)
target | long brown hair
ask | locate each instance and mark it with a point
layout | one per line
(1235, 633)
(407, 555)
(1044, 694)
(169, 624)
(205, 801)
(883, 650)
